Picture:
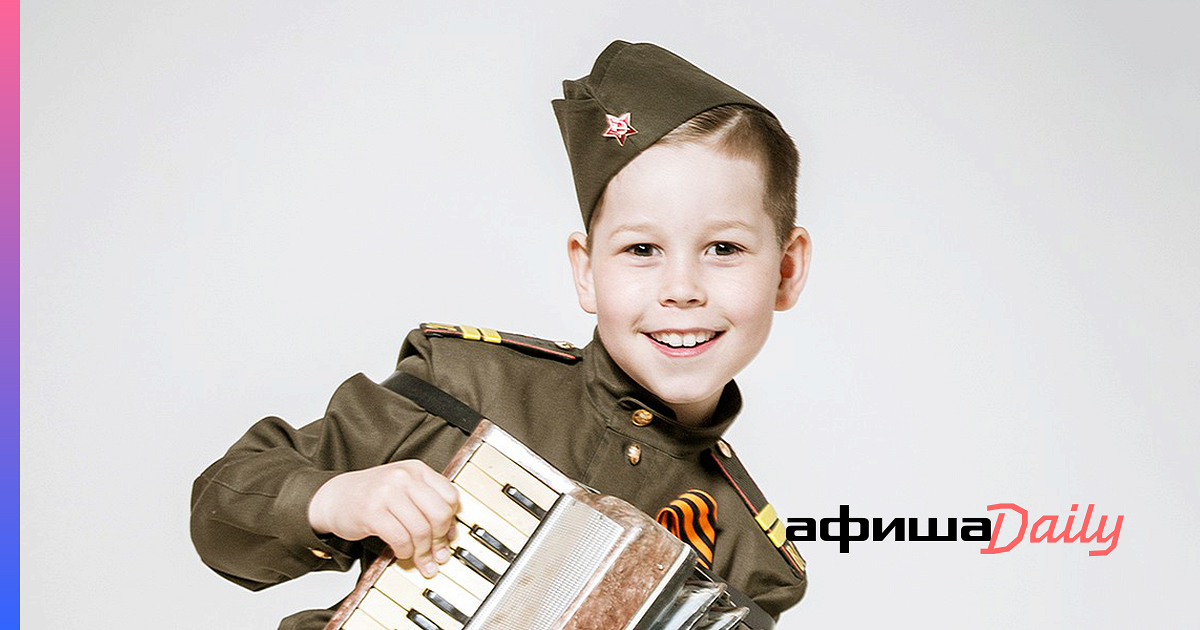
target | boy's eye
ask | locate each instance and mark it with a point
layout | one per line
(641, 249)
(724, 249)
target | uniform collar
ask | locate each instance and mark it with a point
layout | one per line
(616, 396)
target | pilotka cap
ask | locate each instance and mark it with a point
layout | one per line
(635, 94)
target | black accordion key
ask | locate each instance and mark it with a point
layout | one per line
(445, 606)
(491, 542)
(422, 621)
(516, 495)
(476, 565)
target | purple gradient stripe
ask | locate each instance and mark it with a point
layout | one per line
(10, 223)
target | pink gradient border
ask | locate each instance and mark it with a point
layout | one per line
(10, 216)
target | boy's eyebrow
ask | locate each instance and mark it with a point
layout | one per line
(731, 223)
(719, 224)
(644, 226)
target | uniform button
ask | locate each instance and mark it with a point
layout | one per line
(641, 418)
(724, 449)
(565, 345)
(634, 453)
(320, 554)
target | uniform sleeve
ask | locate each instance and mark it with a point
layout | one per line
(774, 602)
(781, 598)
(249, 519)
(785, 594)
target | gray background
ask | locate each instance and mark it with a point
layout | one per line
(230, 207)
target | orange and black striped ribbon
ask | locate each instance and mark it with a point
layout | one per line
(693, 518)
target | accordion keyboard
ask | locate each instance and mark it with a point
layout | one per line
(501, 506)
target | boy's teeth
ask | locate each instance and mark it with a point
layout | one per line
(686, 340)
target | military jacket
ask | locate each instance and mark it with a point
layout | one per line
(574, 407)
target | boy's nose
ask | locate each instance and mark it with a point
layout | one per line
(682, 286)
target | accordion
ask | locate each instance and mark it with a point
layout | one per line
(535, 550)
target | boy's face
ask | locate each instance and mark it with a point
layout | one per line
(685, 272)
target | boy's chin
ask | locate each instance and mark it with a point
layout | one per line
(684, 393)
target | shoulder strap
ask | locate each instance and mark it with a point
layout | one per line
(434, 400)
(564, 351)
(763, 512)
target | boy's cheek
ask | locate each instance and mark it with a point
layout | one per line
(623, 294)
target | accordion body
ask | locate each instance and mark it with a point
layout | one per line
(535, 550)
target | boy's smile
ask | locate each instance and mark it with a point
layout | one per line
(685, 271)
(684, 343)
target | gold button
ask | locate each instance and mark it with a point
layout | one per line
(641, 418)
(565, 345)
(724, 448)
(634, 453)
(320, 554)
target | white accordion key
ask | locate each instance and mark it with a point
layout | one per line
(390, 615)
(457, 572)
(506, 471)
(423, 596)
(490, 492)
(472, 512)
(383, 610)
(407, 584)
(360, 621)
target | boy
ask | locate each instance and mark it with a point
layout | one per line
(687, 189)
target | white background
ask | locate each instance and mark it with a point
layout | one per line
(230, 207)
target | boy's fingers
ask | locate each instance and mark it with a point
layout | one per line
(426, 564)
(397, 538)
(441, 551)
(421, 533)
(440, 517)
(442, 486)
(437, 511)
(442, 547)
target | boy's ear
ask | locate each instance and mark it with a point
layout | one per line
(581, 271)
(793, 268)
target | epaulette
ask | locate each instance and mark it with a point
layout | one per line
(764, 513)
(562, 350)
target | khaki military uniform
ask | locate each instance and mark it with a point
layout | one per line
(574, 407)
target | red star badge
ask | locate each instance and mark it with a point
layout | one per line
(619, 128)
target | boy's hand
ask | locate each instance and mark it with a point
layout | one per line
(407, 504)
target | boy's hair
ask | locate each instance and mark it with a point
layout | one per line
(747, 132)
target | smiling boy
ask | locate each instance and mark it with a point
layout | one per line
(687, 190)
(683, 268)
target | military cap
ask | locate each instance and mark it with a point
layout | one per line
(635, 94)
